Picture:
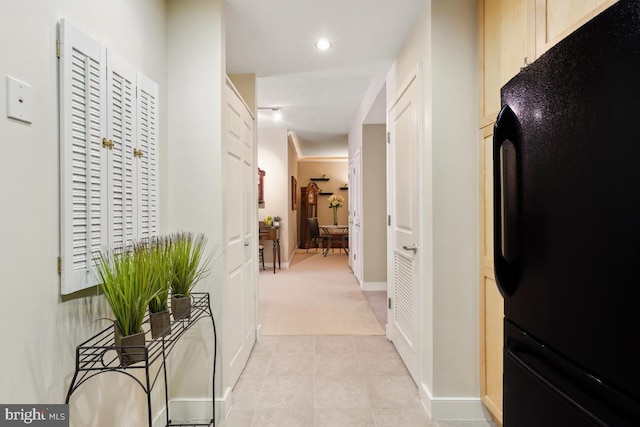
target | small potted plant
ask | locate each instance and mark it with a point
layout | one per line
(159, 317)
(276, 220)
(126, 281)
(188, 266)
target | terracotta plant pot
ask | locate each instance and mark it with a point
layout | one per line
(131, 349)
(181, 307)
(160, 323)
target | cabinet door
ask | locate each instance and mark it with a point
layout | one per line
(491, 303)
(503, 47)
(555, 19)
(83, 157)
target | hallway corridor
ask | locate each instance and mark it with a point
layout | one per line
(323, 379)
(326, 381)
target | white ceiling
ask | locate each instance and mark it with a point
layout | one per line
(319, 93)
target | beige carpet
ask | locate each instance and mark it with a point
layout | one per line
(316, 296)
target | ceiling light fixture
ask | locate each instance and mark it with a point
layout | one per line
(323, 44)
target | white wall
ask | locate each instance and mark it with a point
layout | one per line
(196, 64)
(445, 41)
(273, 154)
(371, 95)
(292, 223)
(41, 331)
(333, 146)
(356, 146)
(455, 149)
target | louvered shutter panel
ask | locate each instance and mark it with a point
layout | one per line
(82, 163)
(147, 160)
(121, 95)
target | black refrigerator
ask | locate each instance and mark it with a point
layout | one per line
(567, 229)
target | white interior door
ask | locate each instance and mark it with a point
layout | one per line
(403, 285)
(239, 292)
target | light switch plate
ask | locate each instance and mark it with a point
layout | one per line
(18, 100)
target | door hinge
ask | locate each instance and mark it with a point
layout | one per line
(388, 137)
(59, 265)
(389, 303)
(388, 219)
(58, 48)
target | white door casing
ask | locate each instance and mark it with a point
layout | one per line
(240, 241)
(355, 249)
(403, 317)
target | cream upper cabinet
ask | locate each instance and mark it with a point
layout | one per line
(555, 19)
(503, 47)
(513, 33)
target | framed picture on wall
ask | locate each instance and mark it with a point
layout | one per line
(261, 175)
(294, 193)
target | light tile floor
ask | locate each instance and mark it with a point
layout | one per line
(378, 303)
(328, 381)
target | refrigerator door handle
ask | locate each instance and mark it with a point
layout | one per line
(506, 139)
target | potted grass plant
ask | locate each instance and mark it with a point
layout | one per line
(126, 278)
(189, 265)
(159, 317)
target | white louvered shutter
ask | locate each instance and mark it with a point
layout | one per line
(121, 125)
(147, 159)
(82, 163)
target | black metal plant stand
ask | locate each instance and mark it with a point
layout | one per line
(99, 354)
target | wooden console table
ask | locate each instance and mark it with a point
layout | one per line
(273, 234)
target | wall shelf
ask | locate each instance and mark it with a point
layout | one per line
(325, 193)
(319, 179)
(344, 188)
(99, 354)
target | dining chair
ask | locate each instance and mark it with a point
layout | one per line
(344, 240)
(261, 255)
(316, 237)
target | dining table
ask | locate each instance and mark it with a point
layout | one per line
(339, 231)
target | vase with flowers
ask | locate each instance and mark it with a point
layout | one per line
(335, 202)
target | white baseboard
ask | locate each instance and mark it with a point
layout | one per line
(269, 265)
(196, 410)
(453, 408)
(374, 286)
(160, 420)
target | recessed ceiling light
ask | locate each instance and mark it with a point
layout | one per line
(323, 44)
